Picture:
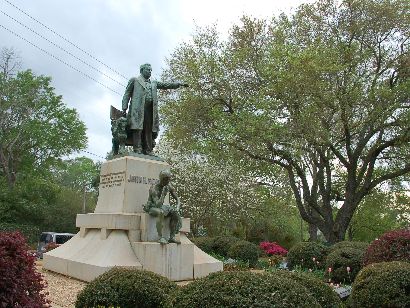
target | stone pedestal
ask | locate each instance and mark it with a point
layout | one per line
(119, 233)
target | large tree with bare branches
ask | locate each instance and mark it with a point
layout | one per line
(323, 93)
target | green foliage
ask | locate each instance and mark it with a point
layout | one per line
(345, 263)
(223, 196)
(127, 288)
(36, 126)
(321, 291)
(349, 244)
(244, 251)
(381, 211)
(322, 94)
(204, 243)
(36, 130)
(30, 232)
(244, 289)
(78, 174)
(222, 244)
(384, 284)
(310, 255)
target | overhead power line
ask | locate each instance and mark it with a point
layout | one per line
(65, 39)
(92, 154)
(61, 48)
(58, 59)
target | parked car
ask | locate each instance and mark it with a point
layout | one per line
(50, 240)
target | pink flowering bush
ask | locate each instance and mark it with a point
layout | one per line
(272, 249)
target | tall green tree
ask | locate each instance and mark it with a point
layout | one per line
(224, 196)
(36, 127)
(324, 94)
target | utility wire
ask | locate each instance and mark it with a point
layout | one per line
(92, 154)
(61, 48)
(62, 61)
(68, 41)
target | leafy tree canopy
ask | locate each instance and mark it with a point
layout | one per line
(323, 94)
(36, 127)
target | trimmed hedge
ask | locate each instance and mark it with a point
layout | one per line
(322, 292)
(391, 246)
(385, 284)
(244, 289)
(204, 243)
(20, 284)
(349, 244)
(222, 244)
(244, 251)
(127, 288)
(307, 255)
(345, 263)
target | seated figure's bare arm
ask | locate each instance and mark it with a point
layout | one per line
(173, 193)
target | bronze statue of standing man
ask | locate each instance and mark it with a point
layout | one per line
(141, 95)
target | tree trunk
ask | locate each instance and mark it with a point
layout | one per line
(312, 233)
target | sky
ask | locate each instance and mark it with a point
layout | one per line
(103, 42)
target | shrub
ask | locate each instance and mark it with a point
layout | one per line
(244, 289)
(349, 244)
(20, 284)
(222, 244)
(244, 251)
(273, 248)
(266, 262)
(385, 284)
(126, 288)
(204, 243)
(345, 264)
(322, 292)
(391, 246)
(30, 232)
(307, 255)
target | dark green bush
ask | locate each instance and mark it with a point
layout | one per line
(244, 251)
(350, 244)
(222, 244)
(322, 292)
(127, 288)
(345, 264)
(244, 289)
(385, 284)
(204, 243)
(307, 255)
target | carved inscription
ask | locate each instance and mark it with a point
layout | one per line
(141, 180)
(112, 179)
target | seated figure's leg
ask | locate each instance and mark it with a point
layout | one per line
(175, 225)
(159, 214)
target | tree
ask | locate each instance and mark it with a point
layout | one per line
(36, 127)
(378, 213)
(223, 196)
(323, 94)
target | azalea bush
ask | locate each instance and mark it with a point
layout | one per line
(391, 246)
(273, 248)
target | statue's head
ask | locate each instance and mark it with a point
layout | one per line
(165, 177)
(145, 70)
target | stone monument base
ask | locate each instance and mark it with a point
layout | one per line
(120, 234)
